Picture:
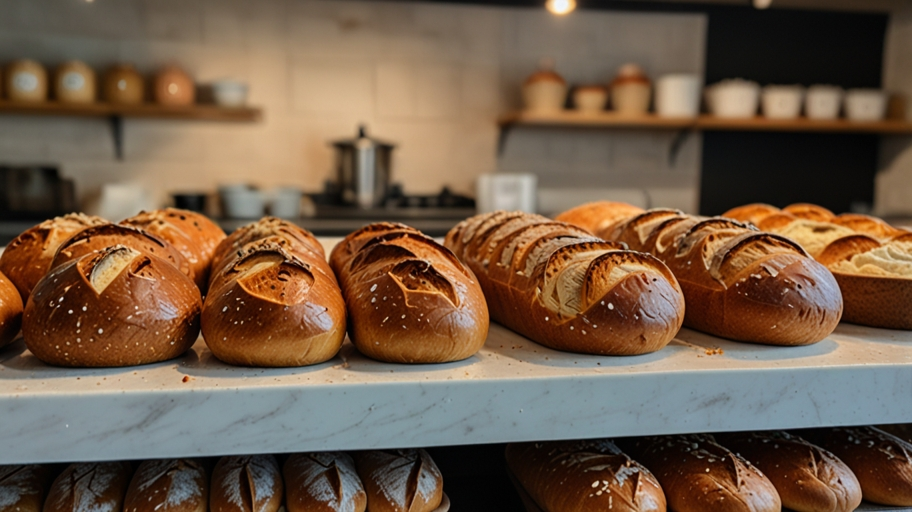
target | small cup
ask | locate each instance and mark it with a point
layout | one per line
(590, 99)
(229, 93)
(678, 95)
(823, 102)
(782, 101)
(865, 105)
(242, 202)
(286, 203)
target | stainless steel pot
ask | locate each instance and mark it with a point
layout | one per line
(363, 169)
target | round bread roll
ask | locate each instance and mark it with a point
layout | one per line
(246, 484)
(273, 308)
(10, 311)
(191, 233)
(23, 487)
(753, 213)
(409, 299)
(90, 487)
(810, 212)
(114, 307)
(323, 482)
(600, 216)
(168, 485)
(400, 480)
(96, 238)
(297, 239)
(28, 257)
(807, 477)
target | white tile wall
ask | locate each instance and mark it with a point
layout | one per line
(431, 77)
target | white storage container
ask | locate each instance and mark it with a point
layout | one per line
(733, 98)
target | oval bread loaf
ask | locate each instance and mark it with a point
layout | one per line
(23, 487)
(882, 462)
(28, 257)
(563, 288)
(584, 476)
(409, 299)
(807, 477)
(10, 310)
(246, 484)
(114, 307)
(698, 475)
(90, 487)
(297, 239)
(323, 482)
(168, 485)
(738, 283)
(400, 480)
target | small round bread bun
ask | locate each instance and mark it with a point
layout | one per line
(23, 487)
(28, 257)
(400, 480)
(114, 307)
(10, 311)
(809, 211)
(90, 486)
(323, 481)
(246, 484)
(168, 485)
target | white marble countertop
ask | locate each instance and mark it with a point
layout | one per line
(512, 390)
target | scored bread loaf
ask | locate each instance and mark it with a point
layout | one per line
(28, 257)
(698, 474)
(114, 307)
(246, 484)
(400, 480)
(738, 283)
(882, 462)
(90, 487)
(562, 287)
(23, 487)
(807, 477)
(168, 485)
(323, 482)
(298, 239)
(584, 476)
(409, 299)
(274, 302)
(190, 233)
(10, 310)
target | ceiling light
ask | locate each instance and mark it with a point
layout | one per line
(762, 4)
(560, 7)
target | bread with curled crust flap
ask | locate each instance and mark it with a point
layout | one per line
(24, 487)
(400, 480)
(323, 482)
(168, 485)
(246, 483)
(297, 239)
(90, 487)
(567, 289)
(410, 300)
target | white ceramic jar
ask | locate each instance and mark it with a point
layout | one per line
(866, 105)
(733, 99)
(678, 95)
(782, 101)
(823, 102)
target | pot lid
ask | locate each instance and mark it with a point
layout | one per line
(362, 141)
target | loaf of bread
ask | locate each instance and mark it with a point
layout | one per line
(562, 287)
(28, 257)
(191, 233)
(114, 307)
(409, 299)
(10, 310)
(168, 485)
(882, 462)
(90, 487)
(807, 477)
(246, 484)
(290, 235)
(23, 487)
(400, 480)
(273, 302)
(584, 476)
(323, 482)
(698, 475)
(739, 283)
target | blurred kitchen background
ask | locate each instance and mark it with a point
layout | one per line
(443, 82)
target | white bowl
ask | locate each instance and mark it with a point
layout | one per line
(782, 101)
(733, 98)
(678, 95)
(866, 104)
(286, 202)
(230, 93)
(242, 203)
(823, 102)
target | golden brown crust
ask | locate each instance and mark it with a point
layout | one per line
(867, 225)
(10, 311)
(323, 482)
(28, 257)
(599, 217)
(881, 462)
(246, 484)
(409, 299)
(567, 290)
(807, 477)
(809, 211)
(753, 213)
(168, 485)
(115, 307)
(584, 476)
(90, 487)
(400, 480)
(698, 475)
(23, 487)
(297, 239)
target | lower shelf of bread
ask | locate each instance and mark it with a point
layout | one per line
(513, 390)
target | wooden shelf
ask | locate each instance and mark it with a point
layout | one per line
(607, 119)
(146, 110)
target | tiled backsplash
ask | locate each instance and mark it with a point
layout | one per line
(431, 77)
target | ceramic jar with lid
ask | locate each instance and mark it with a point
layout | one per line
(74, 82)
(544, 90)
(631, 90)
(26, 80)
(123, 85)
(174, 87)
